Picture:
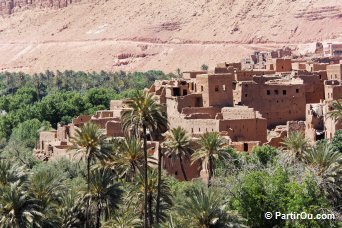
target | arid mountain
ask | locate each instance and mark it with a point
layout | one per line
(156, 34)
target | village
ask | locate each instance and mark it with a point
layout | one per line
(258, 101)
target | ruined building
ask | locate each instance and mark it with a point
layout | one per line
(247, 107)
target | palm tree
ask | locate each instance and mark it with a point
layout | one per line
(18, 209)
(104, 193)
(204, 208)
(48, 188)
(89, 141)
(326, 163)
(177, 143)
(296, 144)
(322, 156)
(136, 194)
(211, 150)
(337, 110)
(10, 173)
(144, 114)
(124, 218)
(128, 158)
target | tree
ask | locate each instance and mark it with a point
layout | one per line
(11, 173)
(337, 141)
(27, 132)
(89, 141)
(205, 208)
(144, 114)
(48, 188)
(211, 149)
(264, 154)
(18, 209)
(336, 110)
(104, 193)
(326, 163)
(128, 158)
(136, 192)
(204, 67)
(177, 144)
(296, 144)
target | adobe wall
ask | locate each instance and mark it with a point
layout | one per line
(114, 129)
(298, 66)
(334, 72)
(311, 67)
(194, 126)
(314, 88)
(261, 79)
(80, 120)
(102, 122)
(244, 146)
(277, 136)
(193, 74)
(295, 126)
(245, 130)
(333, 90)
(117, 104)
(172, 166)
(314, 121)
(210, 111)
(278, 103)
(280, 65)
(216, 89)
(247, 75)
(331, 125)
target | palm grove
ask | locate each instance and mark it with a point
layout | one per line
(117, 182)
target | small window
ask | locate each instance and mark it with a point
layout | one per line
(201, 88)
(192, 130)
(297, 90)
(199, 129)
(268, 92)
(276, 92)
(245, 94)
(284, 92)
(216, 88)
(224, 87)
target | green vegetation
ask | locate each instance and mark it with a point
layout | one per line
(116, 183)
(58, 97)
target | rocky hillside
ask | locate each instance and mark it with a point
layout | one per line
(36, 35)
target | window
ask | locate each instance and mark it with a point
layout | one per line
(297, 90)
(276, 92)
(284, 92)
(192, 130)
(199, 129)
(268, 92)
(201, 88)
(224, 87)
(245, 94)
(216, 88)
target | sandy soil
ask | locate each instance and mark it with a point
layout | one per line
(161, 34)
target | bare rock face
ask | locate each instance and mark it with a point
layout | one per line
(10, 6)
